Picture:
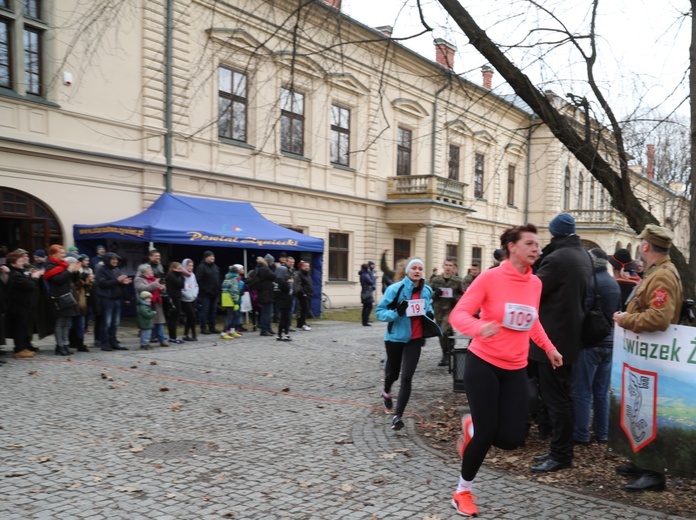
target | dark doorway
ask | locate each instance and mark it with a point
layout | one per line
(26, 222)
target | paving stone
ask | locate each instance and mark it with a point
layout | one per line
(277, 420)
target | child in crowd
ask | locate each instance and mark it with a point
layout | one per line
(146, 319)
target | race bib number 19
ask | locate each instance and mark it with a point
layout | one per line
(519, 317)
(415, 308)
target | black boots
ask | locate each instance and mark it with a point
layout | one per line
(62, 350)
(80, 345)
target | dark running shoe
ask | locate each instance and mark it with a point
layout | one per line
(387, 400)
(397, 423)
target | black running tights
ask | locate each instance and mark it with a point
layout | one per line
(401, 357)
(499, 403)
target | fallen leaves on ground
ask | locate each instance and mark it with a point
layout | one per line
(593, 473)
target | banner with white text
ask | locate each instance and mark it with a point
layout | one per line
(653, 399)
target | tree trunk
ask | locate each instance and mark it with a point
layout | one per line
(616, 183)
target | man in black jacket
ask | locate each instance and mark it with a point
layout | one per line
(110, 281)
(209, 284)
(565, 270)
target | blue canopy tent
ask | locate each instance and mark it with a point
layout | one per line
(209, 223)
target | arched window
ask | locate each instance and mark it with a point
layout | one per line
(566, 189)
(26, 222)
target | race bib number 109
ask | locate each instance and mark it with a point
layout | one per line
(519, 317)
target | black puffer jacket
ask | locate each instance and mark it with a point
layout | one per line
(208, 276)
(263, 283)
(107, 275)
(565, 270)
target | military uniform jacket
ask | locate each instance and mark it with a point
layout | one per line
(657, 301)
(441, 304)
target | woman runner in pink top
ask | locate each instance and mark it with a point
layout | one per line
(507, 299)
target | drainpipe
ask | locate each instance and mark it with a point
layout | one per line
(429, 260)
(529, 168)
(433, 140)
(168, 96)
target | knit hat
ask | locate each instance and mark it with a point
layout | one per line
(71, 260)
(40, 253)
(269, 259)
(145, 295)
(498, 255)
(281, 272)
(101, 247)
(238, 267)
(72, 249)
(232, 268)
(599, 258)
(414, 261)
(562, 225)
(82, 257)
(206, 254)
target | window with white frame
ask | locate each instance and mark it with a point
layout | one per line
(232, 104)
(403, 151)
(339, 251)
(22, 34)
(566, 189)
(581, 192)
(340, 135)
(479, 161)
(592, 194)
(292, 109)
(511, 185)
(453, 162)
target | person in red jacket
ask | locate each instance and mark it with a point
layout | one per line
(495, 370)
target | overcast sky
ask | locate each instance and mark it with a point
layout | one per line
(644, 44)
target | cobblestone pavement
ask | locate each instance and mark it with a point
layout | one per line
(251, 428)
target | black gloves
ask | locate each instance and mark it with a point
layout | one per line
(401, 308)
(437, 293)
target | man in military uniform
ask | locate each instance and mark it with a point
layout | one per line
(654, 305)
(447, 289)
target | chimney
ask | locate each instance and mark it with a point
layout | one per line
(387, 30)
(334, 3)
(444, 53)
(650, 168)
(487, 73)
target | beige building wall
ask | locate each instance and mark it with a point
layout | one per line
(94, 151)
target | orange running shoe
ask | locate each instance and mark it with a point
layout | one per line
(463, 502)
(467, 434)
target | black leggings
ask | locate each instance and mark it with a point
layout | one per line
(401, 357)
(190, 312)
(499, 403)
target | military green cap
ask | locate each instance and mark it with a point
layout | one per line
(659, 236)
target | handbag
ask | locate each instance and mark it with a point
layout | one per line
(246, 302)
(64, 301)
(595, 326)
(168, 306)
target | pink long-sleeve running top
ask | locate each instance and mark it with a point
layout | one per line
(510, 299)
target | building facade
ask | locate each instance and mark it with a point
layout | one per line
(327, 126)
